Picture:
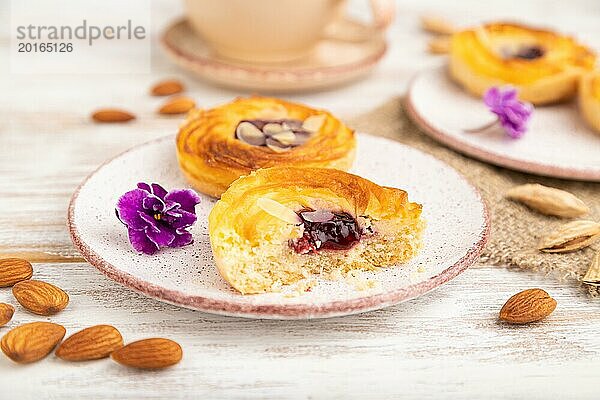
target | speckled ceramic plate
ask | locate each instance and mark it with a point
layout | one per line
(457, 229)
(558, 142)
(335, 60)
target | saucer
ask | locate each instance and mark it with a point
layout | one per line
(348, 51)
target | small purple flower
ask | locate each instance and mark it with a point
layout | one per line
(156, 218)
(512, 113)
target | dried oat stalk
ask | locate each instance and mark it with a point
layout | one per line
(592, 277)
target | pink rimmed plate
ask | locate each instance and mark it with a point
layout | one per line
(558, 142)
(457, 229)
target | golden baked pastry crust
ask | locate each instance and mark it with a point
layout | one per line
(485, 56)
(211, 157)
(252, 246)
(589, 99)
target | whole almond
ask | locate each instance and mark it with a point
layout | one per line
(437, 25)
(112, 115)
(549, 201)
(13, 270)
(439, 45)
(572, 236)
(177, 105)
(527, 306)
(39, 297)
(167, 88)
(31, 342)
(154, 353)
(90, 343)
(6, 313)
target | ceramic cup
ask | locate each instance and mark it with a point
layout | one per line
(270, 30)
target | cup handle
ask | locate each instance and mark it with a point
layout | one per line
(348, 30)
(384, 12)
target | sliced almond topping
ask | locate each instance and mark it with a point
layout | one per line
(314, 122)
(276, 146)
(278, 210)
(272, 128)
(250, 134)
(287, 138)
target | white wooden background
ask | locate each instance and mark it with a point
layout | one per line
(447, 344)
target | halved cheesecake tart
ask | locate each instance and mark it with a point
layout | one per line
(280, 225)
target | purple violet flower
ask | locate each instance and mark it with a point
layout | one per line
(512, 114)
(156, 218)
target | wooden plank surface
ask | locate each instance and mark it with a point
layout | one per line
(447, 344)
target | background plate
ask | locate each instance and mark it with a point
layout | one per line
(558, 142)
(333, 61)
(457, 229)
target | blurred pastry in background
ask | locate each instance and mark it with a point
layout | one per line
(543, 65)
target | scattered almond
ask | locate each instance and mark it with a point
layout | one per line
(152, 353)
(31, 342)
(112, 115)
(528, 306)
(6, 313)
(437, 25)
(592, 277)
(549, 201)
(572, 236)
(40, 297)
(90, 343)
(13, 270)
(439, 45)
(167, 88)
(177, 105)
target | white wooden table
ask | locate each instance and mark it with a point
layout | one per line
(447, 344)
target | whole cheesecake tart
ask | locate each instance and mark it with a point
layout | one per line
(589, 99)
(543, 65)
(280, 225)
(217, 146)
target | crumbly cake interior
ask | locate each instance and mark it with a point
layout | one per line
(268, 266)
(280, 225)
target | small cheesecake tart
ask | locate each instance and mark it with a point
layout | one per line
(217, 146)
(589, 99)
(280, 225)
(543, 65)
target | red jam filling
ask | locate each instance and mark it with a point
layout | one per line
(326, 230)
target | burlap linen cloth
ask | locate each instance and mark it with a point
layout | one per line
(516, 230)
